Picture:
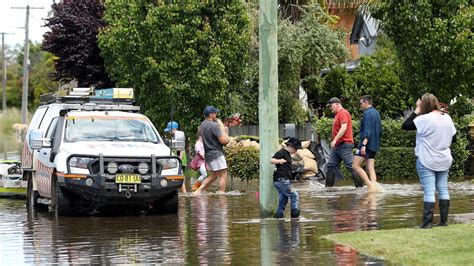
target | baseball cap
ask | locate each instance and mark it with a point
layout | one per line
(171, 125)
(210, 109)
(333, 100)
(294, 142)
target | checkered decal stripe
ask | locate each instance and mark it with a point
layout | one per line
(26, 157)
(43, 179)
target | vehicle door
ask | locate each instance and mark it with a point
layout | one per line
(45, 165)
(27, 152)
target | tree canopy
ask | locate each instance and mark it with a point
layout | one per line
(180, 56)
(434, 41)
(72, 38)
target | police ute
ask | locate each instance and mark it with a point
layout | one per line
(90, 151)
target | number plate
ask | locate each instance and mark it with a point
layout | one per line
(127, 179)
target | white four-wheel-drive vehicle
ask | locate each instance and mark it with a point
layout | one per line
(92, 153)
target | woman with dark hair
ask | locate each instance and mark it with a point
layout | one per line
(435, 132)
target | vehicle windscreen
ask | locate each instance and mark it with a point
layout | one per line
(109, 129)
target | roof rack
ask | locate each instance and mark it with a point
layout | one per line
(100, 107)
(111, 96)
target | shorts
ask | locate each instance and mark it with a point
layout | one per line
(368, 153)
(218, 164)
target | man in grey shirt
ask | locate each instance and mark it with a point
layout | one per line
(214, 138)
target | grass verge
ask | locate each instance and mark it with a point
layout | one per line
(451, 245)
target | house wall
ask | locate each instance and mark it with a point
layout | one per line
(347, 16)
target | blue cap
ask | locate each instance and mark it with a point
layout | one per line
(171, 125)
(210, 109)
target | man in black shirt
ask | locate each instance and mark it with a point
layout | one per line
(282, 176)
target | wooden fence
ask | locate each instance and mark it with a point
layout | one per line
(302, 132)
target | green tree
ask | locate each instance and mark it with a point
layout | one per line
(434, 41)
(181, 56)
(41, 77)
(377, 75)
(305, 48)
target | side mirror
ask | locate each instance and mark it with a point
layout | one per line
(167, 142)
(36, 140)
(179, 141)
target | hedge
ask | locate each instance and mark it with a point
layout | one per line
(395, 160)
(397, 147)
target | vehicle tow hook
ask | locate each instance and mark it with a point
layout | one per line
(128, 194)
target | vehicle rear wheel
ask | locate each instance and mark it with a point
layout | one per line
(32, 196)
(167, 204)
(61, 204)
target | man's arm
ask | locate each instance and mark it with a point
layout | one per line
(223, 139)
(339, 134)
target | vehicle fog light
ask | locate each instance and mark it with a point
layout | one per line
(143, 168)
(112, 168)
(89, 181)
(164, 182)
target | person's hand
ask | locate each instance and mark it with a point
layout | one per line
(362, 151)
(418, 106)
(333, 144)
(282, 161)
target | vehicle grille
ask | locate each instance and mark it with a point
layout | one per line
(94, 167)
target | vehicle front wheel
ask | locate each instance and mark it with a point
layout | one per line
(61, 204)
(167, 204)
(31, 195)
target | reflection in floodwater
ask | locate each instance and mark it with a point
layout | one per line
(101, 240)
(218, 229)
(207, 230)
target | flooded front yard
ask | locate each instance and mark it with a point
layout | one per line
(218, 229)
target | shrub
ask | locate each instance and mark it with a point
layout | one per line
(243, 162)
(396, 158)
(392, 133)
(395, 163)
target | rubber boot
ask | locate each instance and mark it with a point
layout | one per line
(357, 181)
(330, 178)
(295, 213)
(443, 212)
(279, 215)
(427, 215)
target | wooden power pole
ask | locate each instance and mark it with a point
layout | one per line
(268, 104)
(26, 51)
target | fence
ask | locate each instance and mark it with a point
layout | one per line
(302, 132)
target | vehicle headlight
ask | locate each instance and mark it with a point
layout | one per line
(112, 168)
(168, 163)
(143, 168)
(80, 162)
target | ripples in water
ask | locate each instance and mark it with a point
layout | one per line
(218, 229)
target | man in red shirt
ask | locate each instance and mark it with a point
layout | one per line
(342, 143)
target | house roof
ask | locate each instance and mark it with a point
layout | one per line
(349, 65)
(371, 24)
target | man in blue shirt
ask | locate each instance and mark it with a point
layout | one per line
(369, 142)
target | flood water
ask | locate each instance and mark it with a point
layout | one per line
(218, 229)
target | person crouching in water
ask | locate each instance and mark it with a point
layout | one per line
(282, 176)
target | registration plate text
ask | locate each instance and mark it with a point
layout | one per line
(127, 179)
